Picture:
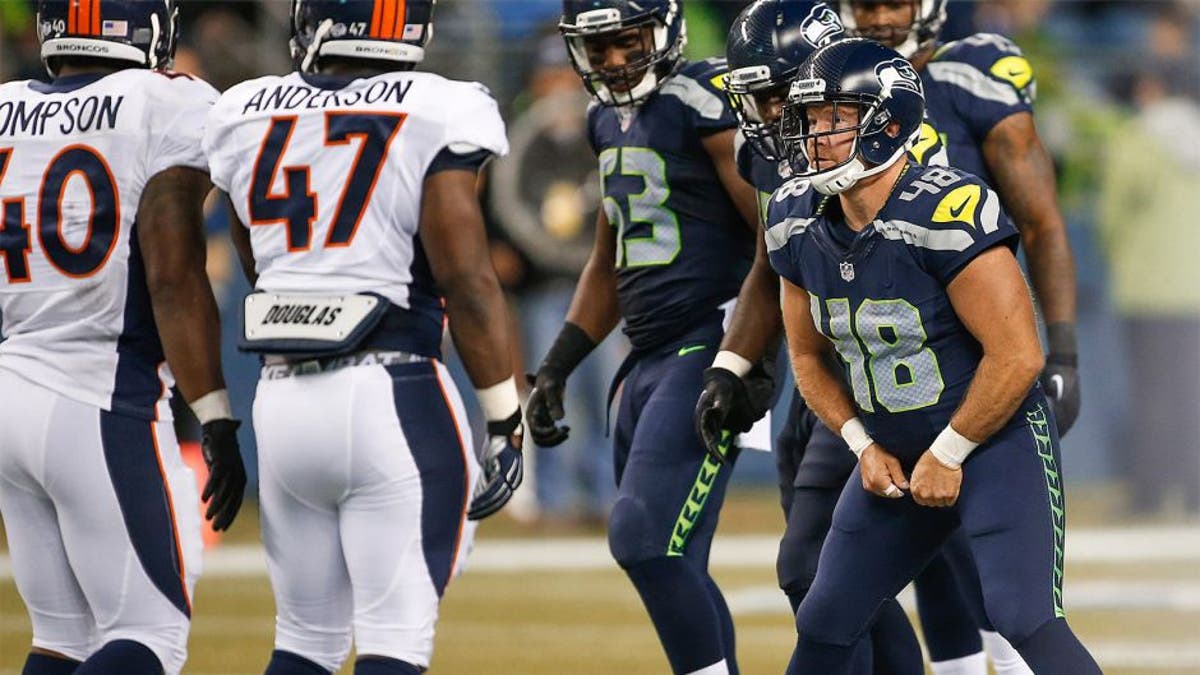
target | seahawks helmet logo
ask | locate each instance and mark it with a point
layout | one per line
(897, 74)
(821, 25)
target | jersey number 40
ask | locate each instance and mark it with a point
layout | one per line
(296, 207)
(104, 216)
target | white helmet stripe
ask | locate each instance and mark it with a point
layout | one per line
(104, 49)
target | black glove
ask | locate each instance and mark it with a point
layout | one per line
(1060, 378)
(545, 405)
(545, 408)
(226, 474)
(723, 406)
(503, 467)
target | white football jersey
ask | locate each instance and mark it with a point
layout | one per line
(327, 174)
(74, 158)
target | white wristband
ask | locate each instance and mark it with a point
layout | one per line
(856, 436)
(212, 406)
(499, 401)
(951, 448)
(733, 362)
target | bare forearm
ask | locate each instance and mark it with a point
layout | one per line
(171, 240)
(240, 236)
(189, 327)
(478, 324)
(1024, 174)
(594, 306)
(822, 390)
(1052, 273)
(756, 319)
(1001, 382)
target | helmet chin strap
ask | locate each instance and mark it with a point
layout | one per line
(844, 177)
(910, 46)
(314, 47)
(155, 36)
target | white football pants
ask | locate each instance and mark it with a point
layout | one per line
(365, 475)
(103, 524)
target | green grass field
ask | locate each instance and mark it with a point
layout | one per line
(1139, 616)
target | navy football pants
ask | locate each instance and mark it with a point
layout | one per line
(813, 464)
(1011, 508)
(669, 494)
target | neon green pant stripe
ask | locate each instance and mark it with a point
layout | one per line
(1039, 427)
(689, 514)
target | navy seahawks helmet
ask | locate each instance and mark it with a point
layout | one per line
(767, 43)
(384, 30)
(853, 86)
(583, 20)
(141, 32)
(928, 17)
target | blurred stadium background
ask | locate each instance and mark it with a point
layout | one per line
(1119, 108)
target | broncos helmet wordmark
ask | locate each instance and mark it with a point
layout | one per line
(767, 43)
(927, 19)
(882, 89)
(383, 30)
(142, 32)
(584, 20)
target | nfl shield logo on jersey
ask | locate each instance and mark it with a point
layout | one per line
(847, 269)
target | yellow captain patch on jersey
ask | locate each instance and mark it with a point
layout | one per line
(1015, 70)
(961, 204)
(927, 141)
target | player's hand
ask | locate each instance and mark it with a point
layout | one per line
(545, 408)
(226, 474)
(935, 484)
(723, 406)
(1060, 380)
(881, 473)
(503, 467)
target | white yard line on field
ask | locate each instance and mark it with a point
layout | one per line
(1079, 596)
(1084, 545)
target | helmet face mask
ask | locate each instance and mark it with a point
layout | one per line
(758, 111)
(917, 29)
(824, 135)
(636, 46)
(647, 36)
(767, 43)
(361, 30)
(858, 92)
(142, 33)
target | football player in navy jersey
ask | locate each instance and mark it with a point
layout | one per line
(944, 408)
(979, 93)
(767, 43)
(673, 243)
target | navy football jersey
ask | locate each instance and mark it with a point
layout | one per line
(764, 175)
(879, 295)
(970, 86)
(682, 246)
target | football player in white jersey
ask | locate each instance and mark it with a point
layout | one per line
(354, 183)
(106, 304)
